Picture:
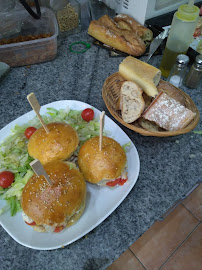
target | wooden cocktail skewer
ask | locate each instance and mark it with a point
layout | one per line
(102, 118)
(36, 107)
(39, 170)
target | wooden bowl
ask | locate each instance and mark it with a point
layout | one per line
(111, 94)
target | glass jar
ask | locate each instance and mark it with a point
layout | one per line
(179, 70)
(195, 74)
(68, 16)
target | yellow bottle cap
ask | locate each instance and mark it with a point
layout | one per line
(187, 12)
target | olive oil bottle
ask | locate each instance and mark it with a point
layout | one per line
(180, 36)
(169, 58)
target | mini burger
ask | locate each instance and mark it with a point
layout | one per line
(59, 144)
(106, 167)
(52, 208)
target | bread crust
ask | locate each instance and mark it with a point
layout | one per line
(61, 141)
(108, 32)
(105, 164)
(124, 21)
(54, 205)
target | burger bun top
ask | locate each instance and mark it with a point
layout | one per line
(99, 165)
(54, 205)
(59, 144)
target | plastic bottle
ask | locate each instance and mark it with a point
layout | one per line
(195, 74)
(181, 33)
(179, 70)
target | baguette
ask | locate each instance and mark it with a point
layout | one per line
(126, 22)
(131, 37)
(145, 75)
(168, 113)
(131, 101)
(109, 33)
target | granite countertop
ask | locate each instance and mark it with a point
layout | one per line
(169, 167)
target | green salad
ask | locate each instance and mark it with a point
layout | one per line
(14, 156)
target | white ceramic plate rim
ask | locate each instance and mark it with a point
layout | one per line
(99, 209)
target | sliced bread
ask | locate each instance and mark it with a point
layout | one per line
(168, 113)
(131, 101)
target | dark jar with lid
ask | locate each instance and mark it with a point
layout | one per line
(195, 74)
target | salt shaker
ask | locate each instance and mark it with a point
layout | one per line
(179, 70)
(195, 74)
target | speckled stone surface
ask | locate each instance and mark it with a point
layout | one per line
(169, 166)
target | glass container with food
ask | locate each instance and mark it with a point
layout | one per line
(35, 42)
(68, 16)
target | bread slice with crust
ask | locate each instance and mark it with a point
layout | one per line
(132, 103)
(168, 113)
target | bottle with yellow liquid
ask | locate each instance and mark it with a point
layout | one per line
(180, 36)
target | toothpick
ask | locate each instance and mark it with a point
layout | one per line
(36, 107)
(102, 115)
(39, 170)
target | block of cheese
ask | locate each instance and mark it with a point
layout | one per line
(145, 75)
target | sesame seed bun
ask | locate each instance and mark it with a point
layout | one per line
(59, 144)
(105, 164)
(59, 205)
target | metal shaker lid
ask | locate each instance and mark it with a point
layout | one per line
(198, 59)
(182, 59)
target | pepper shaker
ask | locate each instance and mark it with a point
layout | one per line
(195, 74)
(179, 70)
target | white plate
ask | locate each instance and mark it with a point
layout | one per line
(97, 208)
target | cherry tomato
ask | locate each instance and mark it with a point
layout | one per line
(31, 224)
(29, 131)
(6, 179)
(59, 229)
(87, 114)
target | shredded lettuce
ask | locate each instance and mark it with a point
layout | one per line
(13, 194)
(71, 165)
(126, 146)
(14, 156)
(17, 186)
(14, 204)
